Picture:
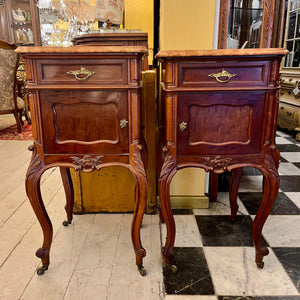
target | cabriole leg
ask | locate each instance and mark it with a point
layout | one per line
(69, 191)
(32, 183)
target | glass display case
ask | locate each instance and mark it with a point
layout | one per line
(22, 22)
(19, 22)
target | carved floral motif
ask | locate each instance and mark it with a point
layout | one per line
(88, 163)
(217, 163)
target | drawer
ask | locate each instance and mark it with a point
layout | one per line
(288, 96)
(82, 72)
(223, 74)
(289, 112)
(84, 122)
(220, 123)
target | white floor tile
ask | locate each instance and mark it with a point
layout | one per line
(187, 232)
(288, 169)
(251, 184)
(282, 231)
(291, 156)
(282, 140)
(221, 207)
(295, 197)
(234, 272)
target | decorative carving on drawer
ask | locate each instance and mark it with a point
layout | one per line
(218, 163)
(224, 74)
(88, 163)
(81, 74)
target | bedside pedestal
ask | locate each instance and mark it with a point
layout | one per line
(85, 106)
(219, 112)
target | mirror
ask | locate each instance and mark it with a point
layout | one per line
(250, 23)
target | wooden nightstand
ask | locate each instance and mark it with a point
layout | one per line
(219, 110)
(86, 115)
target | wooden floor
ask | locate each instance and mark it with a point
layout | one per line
(90, 259)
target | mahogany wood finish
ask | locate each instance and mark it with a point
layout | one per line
(220, 110)
(85, 106)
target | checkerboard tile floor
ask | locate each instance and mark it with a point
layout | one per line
(215, 258)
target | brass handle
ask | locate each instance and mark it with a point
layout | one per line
(83, 71)
(219, 75)
(183, 126)
(123, 123)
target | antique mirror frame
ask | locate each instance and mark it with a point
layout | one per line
(272, 20)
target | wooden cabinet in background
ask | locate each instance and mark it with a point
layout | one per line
(19, 22)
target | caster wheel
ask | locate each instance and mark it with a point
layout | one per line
(142, 270)
(40, 271)
(67, 222)
(260, 265)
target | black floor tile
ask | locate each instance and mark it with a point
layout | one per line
(282, 206)
(290, 259)
(297, 165)
(283, 159)
(290, 183)
(251, 171)
(220, 231)
(288, 148)
(192, 276)
(182, 211)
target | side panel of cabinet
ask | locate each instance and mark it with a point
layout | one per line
(5, 22)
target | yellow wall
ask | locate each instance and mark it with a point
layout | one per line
(187, 24)
(139, 15)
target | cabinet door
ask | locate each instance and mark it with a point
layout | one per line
(84, 121)
(219, 123)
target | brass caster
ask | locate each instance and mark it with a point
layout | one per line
(260, 265)
(67, 222)
(142, 270)
(41, 270)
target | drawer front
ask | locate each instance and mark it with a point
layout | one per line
(223, 74)
(288, 96)
(288, 112)
(84, 122)
(220, 123)
(82, 72)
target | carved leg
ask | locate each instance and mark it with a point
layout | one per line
(32, 183)
(166, 175)
(140, 205)
(69, 191)
(233, 192)
(213, 186)
(271, 188)
(19, 126)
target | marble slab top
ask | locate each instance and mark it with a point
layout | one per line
(221, 52)
(82, 49)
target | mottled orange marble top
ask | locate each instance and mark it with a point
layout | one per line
(83, 49)
(221, 52)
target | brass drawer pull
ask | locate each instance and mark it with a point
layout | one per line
(219, 75)
(183, 126)
(82, 74)
(123, 123)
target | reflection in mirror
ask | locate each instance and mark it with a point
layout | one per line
(292, 35)
(245, 22)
